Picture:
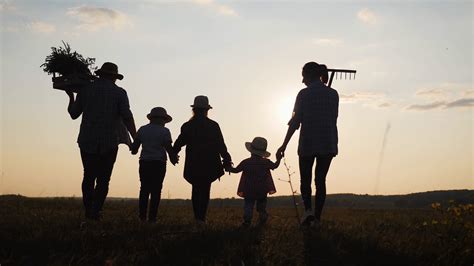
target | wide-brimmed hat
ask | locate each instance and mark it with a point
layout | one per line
(258, 146)
(201, 102)
(159, 112)
(110, 69)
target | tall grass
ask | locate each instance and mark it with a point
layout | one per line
(53, 232)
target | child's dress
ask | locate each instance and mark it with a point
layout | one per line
(256, 180)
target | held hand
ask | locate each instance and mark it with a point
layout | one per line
(174, 159)
(69, 93)
(279, 155)
(281, 152)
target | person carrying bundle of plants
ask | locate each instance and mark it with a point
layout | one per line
(104, 107)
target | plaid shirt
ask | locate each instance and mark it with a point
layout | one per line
(316, 110)
(256, 180)
(103, 106)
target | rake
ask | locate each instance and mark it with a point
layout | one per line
(341, 74)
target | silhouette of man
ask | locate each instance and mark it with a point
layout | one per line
(105, 110)
(316, 111)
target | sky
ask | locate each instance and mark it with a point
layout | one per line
(405, 123)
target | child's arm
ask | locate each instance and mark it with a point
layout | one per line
(235, 170)
(274, 165)
(171, 153)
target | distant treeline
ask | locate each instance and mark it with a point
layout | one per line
(415, 200)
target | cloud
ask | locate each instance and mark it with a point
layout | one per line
(431, 92)
(219, 8)
(97, 18)
(445, 96)
(466, 102)
(6, 6)
(327, 42)
(384, 105)
(367, 16)
(371, 99)
(41, 27)
(469, 92)
(425, 107)
(460, 103)
(360, 96)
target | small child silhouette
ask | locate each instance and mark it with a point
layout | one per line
(256, 180)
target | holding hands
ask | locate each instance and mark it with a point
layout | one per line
(280, 152)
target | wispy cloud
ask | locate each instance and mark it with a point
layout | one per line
(424, 107)
(469, 92)
(327, 42)
(436, 92)
(384, 105)
(459, 103)
(465, 102)
(367, 16)
(41, 27)
(97, 18)
(444, 96)
(371, 99)
(6, 6)
(219, 8)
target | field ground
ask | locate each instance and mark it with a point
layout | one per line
(53, 232)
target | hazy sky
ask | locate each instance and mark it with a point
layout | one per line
(414, 62)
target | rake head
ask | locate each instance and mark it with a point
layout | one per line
(341, 74)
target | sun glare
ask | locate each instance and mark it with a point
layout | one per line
(285, 108)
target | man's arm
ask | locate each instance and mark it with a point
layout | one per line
(130, 124)
(135, 145)
(126, 114)
(74, 107)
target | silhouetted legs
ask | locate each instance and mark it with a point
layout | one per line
(200, 198)
(95, 184)
(152, 174)
(322, 168)
(261, 209)
(321, 171)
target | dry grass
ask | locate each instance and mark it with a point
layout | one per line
(51, 231)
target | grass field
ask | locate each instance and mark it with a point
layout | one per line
(51, 231)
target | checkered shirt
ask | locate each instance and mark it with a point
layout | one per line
(316, 110)
(103, 105)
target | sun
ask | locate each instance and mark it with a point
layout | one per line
(284, 108)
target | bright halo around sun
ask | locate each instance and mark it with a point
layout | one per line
(284, 108)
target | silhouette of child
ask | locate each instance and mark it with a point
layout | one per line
(256, 180)
(155, 139)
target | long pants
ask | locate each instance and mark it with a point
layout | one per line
(152, 174)
(249, 203)
(200, 198)
(95, 184)
(322, 168)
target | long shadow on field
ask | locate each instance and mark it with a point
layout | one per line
(325, 246)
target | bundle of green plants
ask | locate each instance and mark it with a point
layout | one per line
(64, 61)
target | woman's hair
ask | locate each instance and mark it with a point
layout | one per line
(199, 112)
(323, 69)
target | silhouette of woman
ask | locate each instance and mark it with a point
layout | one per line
(204, 148)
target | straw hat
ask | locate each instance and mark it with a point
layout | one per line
(258, 146)
(159, 112)
(109, 68)
(201, 102)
